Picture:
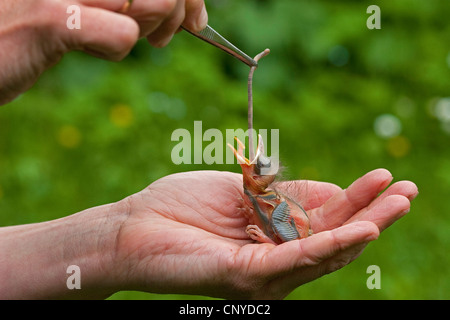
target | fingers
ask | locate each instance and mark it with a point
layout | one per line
(385, 212)
(404, 188)
(190, 13)
(196, 15)
(159, 20)
(294, 263)
(104, 34)
(162, 35)
(390, 206)
(344, 204)
(321, 246)
(112, 5)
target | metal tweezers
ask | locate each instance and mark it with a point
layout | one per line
(213, 37)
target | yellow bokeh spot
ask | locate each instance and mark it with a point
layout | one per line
(69, 137)
(121, 116)
(398, 146)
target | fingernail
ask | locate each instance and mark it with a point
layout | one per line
(406, 211)
(371, 237)
(202, 20)
(413, 196)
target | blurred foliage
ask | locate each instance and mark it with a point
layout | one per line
(92, 132)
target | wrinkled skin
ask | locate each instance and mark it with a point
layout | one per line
(185, 233)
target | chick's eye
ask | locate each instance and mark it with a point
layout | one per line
(263, 162)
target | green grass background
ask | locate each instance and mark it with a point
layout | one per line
(92, 132)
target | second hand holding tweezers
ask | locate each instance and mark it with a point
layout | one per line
(213, 37)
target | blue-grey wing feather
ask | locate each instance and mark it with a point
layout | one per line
(283, 224)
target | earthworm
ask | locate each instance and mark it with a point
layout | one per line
(250, 103)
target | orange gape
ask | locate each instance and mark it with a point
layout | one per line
(273, 217)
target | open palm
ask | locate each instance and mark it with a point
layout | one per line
(185, 233)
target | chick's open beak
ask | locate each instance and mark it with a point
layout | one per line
(239, 153)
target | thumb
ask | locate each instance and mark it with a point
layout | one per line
(103, 33)
(320, 247)
(301, 261)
